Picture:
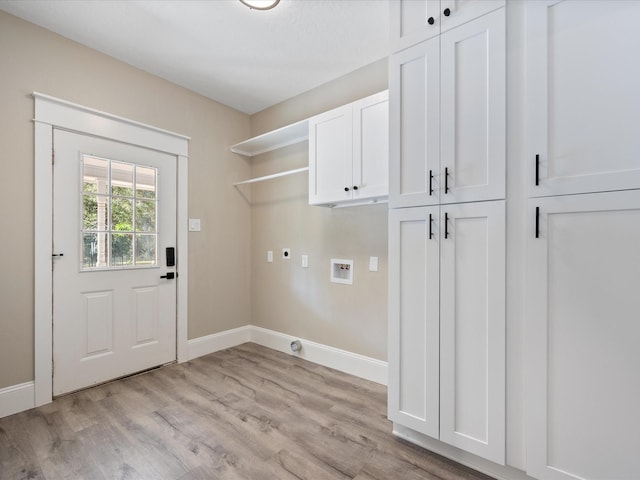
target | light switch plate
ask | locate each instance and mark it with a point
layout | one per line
(305, 261)
(373, 264)
(194, 224)
(270, 256)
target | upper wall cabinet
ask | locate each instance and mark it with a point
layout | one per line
(413, 21)
(447, 116)
(348, 153)
(582, 102)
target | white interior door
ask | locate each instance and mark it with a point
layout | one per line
(114, 216)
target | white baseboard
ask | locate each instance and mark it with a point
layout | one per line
(198, 347)
(348, 362)
(16, 398)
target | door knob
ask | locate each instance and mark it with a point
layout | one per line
(169, 275)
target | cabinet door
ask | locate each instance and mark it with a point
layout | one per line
(413, 21)
(414, 134)
(472, 328)
(473, 90)
(457, 12)
(582, 96)
(582, 332)
(413, 319)
(371, 147)
(330, 156)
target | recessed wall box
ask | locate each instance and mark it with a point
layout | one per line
(342, 271)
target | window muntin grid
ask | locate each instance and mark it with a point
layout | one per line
(119, 227)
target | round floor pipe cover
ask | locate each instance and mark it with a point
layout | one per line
(296, 346)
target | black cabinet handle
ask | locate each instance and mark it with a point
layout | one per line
(346, 189)
(537, 222)
(431, 21)
(430, 182)
(446, 225)
(446, 12)
(446, 179)
(537, 169)
(430, 226)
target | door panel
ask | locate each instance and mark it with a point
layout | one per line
(473, 89)
(330, 156)
(583, 110)
(414, 319)
(472, 328)
(414, 140)
(114, 216)
(582, 331)
(371, 146)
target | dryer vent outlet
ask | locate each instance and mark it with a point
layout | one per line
(296, 346)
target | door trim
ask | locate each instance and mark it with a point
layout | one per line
(50, 113)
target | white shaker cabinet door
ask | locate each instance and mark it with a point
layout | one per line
(330, 156)
(473, 111)
(472, 328)
(413, 21)
(414, 336)
(582, 333)
(414, 122)
(371, 147)
(583, 107)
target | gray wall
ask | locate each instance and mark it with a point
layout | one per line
(302, 301)
(34, 59)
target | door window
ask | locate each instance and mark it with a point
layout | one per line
(119, 214)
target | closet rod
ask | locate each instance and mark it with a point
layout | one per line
(269, 177)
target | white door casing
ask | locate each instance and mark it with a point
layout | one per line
(112, 315)
(51, 112)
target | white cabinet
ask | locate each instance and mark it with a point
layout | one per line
(582, 102)
(448, 117)
(583, 381)
(348, 153)
(413, 21)
(447, 324)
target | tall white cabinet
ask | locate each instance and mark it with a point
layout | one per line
(447, 229)
(583, 270)
(447, 112)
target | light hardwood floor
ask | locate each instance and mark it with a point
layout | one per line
(244, 413)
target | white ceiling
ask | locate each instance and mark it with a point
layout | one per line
(247, 59)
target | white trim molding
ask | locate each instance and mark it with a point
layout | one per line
(215, 342)
(53, 113)
(16, 398)
(345, 361)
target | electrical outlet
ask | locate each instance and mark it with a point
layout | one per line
(286, 253)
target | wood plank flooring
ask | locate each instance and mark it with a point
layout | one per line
(244, 413)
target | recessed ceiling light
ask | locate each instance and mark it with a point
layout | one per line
(260, 4)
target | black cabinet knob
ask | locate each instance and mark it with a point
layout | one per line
(446, 12)
(346, 189)
(355, 187)
(431, 20)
